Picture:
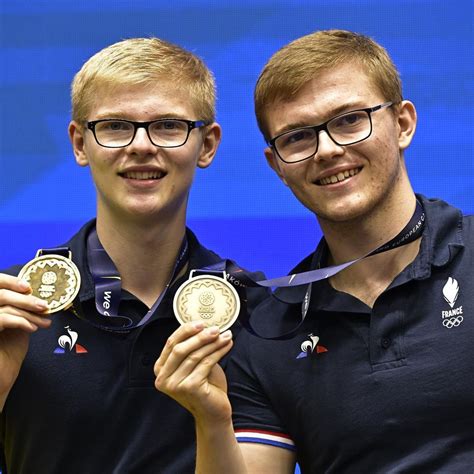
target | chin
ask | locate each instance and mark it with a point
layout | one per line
(342, 212)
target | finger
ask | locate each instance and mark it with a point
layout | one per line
(190, 353)
(178, 346)
(195, 370)
(181, 334)
(27, 302)
(41, 320)
(184, 382)
(10, 321)
(14, 283)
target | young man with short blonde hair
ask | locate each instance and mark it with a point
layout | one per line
(76, 386)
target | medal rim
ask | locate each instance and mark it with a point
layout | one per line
(72, 266)
(221, 280)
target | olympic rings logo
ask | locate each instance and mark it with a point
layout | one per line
(453, 322)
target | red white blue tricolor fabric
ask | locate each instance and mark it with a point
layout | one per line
(265, 437)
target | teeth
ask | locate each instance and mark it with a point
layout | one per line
(143, 174)
(337, 178)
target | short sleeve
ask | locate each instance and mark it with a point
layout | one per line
(254, 419)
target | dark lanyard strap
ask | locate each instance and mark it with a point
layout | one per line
(241, 279)
(412, 231)
(108, 285)
(63, 251)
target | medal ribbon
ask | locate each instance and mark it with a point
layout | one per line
(108, 285)
(241, 279)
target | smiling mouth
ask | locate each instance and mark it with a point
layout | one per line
(338, 178)
(142, 175)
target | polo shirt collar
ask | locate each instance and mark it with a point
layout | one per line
(442, 238)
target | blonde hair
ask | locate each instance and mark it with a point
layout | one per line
(143, 61)
(297, 63)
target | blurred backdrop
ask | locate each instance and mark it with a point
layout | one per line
(238, 206)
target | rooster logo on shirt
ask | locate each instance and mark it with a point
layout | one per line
(68, 342)
(310, 346)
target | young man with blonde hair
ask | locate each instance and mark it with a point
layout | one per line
(377, 376)
(76, 386)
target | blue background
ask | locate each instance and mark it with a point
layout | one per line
(238, 206)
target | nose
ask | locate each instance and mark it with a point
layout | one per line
(327, 147)
(141, 143)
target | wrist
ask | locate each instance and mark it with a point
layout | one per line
(214, 430)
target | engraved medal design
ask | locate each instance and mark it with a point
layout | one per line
(209, 299)
(53, 278)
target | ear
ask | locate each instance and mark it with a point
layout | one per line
(406, 123)
(76, 135)
(274, 163)
(210, 142)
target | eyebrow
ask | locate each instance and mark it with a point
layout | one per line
(347, 107)
(126, 116)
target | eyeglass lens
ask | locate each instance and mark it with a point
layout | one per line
(116, 133)
(344, 130)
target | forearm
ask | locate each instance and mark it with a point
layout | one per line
(218, 450)
(4, 392)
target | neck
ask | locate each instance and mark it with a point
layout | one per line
(354, 238)
(144, 253)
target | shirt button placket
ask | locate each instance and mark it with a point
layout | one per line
(386, 342)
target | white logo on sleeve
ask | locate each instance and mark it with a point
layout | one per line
(454, 316)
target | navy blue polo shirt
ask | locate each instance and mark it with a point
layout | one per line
(387, 389)
(94, 408)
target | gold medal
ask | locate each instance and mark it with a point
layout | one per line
(209, 299)
(53, 278)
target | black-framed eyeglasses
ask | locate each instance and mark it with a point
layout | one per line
(348, 128)
(165, 133)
